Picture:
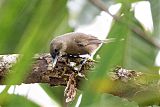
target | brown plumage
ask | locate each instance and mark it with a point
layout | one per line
(74, 44)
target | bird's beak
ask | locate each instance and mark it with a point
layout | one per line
(55, 58)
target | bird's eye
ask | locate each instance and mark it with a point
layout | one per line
(56, 50)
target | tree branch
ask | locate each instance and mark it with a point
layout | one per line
(121, 82)
(42, 70)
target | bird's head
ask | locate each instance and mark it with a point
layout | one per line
(55, 50)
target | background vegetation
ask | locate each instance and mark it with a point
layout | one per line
(27, 26)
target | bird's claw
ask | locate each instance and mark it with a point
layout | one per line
(82, 75)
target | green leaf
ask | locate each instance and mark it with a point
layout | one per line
(127, 1)
(135, 53)
(27, 27)
(129, 51)
(13, 22)
(114, 101)
(147, 97)
(18, 101)
(56, 93)
(155, 7)
(108, 100)
(37, 34)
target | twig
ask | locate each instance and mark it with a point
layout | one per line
(103, 7)
(146, 37)
(139, 32)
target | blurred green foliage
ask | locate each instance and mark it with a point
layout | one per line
(113, 101)
(56, 93)
(27, 27)
(155, 7)
(18, 101)
(131, 53)
(37, 33)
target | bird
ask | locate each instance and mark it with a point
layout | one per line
(74, 44)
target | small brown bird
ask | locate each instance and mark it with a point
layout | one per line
(74, 44)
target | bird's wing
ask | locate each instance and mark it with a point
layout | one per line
(84, 40)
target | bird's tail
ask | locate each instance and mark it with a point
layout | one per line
(111, 40)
